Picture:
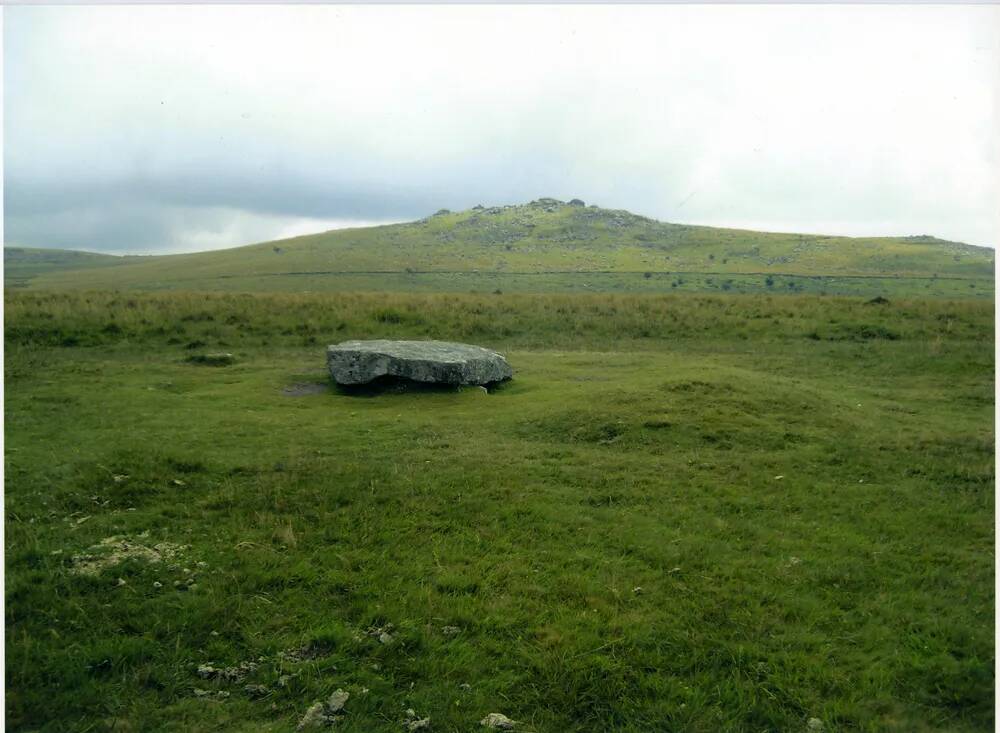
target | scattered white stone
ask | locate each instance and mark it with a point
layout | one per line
(314, 718)
(157, 584)
(112, 551)
(778, 478)
(450, 630)
(237, 673)
(637, 590)
(256, 690)
(498, 721)
(385, 637)
(815, 724)
(415, 722)
(337, 701)
(209, 694)
(121, 582)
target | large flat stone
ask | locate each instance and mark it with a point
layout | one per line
(439, 362)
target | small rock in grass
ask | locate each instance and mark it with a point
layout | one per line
(337, 701)
(498, 721)
(256, 690)
(414, 722)
(230, 674)
(450, 630)
(814, 724)
(314, 718)
(301, 654)
(637, 590)
(210, 695)
(385, 637)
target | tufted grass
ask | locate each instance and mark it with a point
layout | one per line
(540, 247)
(609, 532)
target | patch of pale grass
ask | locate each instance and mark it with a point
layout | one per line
(113, 551)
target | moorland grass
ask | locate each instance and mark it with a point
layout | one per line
(540, 247)
(714, 513)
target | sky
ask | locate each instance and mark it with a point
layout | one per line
(160, 129)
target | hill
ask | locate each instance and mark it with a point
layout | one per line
(22, 264)
(549, 245)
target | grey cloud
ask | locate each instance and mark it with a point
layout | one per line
(166, 128)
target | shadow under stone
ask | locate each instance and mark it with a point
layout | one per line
(398, 385)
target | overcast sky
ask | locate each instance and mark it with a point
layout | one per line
(165, 129)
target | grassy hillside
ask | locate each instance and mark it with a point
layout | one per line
(553, 246)
(702, 514)
(22, 264)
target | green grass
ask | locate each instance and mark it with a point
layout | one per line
(22, 264)
(640, 445)
(548, 246)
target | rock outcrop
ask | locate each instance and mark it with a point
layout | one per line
(436, 362)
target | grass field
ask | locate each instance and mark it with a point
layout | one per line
(685, 513)
(544, 246)
(23, 264)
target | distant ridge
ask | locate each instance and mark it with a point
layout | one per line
(546, 244)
